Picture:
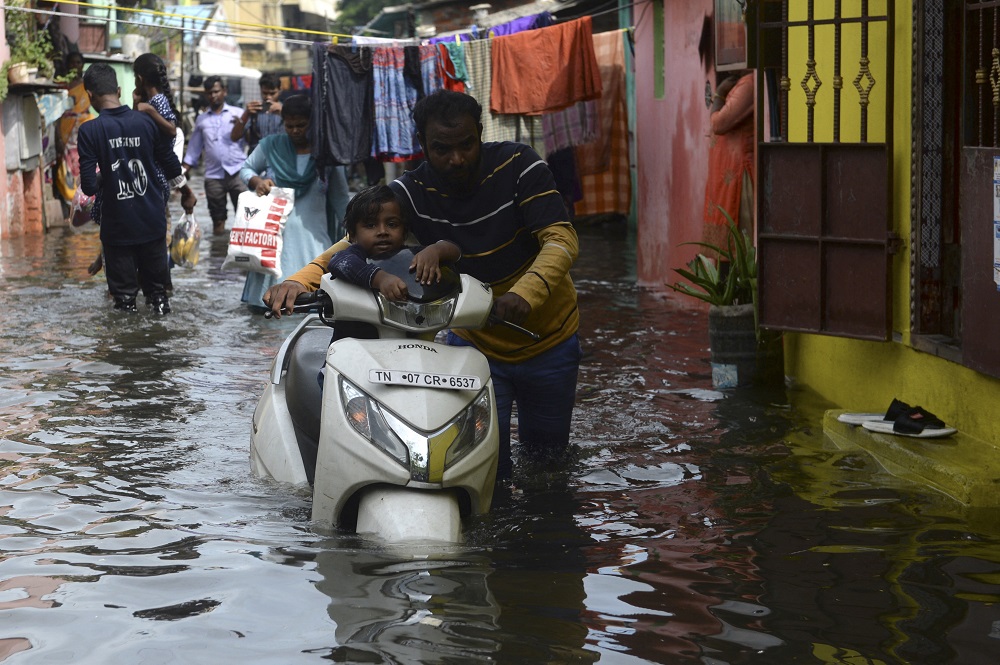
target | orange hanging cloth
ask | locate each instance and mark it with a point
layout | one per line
(545, 70)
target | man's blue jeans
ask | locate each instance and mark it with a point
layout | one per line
(544, 389)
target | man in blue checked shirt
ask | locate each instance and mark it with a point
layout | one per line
(212, 138)
(261, 118)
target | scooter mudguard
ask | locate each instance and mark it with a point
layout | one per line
(399, 514)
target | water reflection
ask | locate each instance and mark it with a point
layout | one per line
(687, 526)
(409, 608)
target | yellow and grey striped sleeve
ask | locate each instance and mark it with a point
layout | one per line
(559, 249)
(313, 272)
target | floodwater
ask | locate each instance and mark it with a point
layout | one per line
(691, 526)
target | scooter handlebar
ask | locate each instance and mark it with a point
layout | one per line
(304, 302)
(497, 321)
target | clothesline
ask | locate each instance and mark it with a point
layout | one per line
(537, 85)
(335, 37)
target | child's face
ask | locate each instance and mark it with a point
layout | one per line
(383, 235)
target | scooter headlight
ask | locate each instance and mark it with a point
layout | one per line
(367, 419)
(425, 454)
(473, 424)
(414, 316)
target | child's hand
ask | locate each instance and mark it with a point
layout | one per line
(143, 107)
(390, 286)
(426, 265)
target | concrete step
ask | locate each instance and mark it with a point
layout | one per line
(960, 466)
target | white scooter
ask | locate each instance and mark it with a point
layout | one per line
(401, 439)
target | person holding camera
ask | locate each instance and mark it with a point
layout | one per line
(261, 118)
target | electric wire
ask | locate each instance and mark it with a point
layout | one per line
(160, 26)
(154, 12)
(226, 22)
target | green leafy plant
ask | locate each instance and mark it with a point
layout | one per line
(27, 43)
(730, 280)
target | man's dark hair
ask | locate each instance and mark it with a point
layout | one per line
(100, 79)
(366, 204)
(269, 79)
(297, 105)
(446, 107)
(212, 80)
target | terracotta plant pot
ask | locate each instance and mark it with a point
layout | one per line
(18, 73)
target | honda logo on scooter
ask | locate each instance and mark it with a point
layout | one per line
(422, 347)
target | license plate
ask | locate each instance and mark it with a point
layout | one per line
(424, 379)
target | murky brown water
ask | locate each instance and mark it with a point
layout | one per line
(692, 527)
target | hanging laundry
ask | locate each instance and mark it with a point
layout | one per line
(394, 97)
(575, 125)
(456, 51)
(603, 166)
(343, 104)
(521, 24)
(412, 69)
(496, 126)
(429, 68)
(610, 52)
(447, 70)
(545, 70)
(469, 35)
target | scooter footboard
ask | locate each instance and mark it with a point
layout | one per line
(400, 513)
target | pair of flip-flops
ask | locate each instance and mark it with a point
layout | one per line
(902, 419)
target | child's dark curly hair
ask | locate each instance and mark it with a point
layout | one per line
(366, 204)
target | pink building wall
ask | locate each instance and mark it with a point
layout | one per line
(672, 137)
(6, 204)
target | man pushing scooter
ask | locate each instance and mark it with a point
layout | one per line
(499, 203)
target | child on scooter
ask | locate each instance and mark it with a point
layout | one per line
(376, 229)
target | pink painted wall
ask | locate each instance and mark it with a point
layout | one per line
(6, 204)
(672, 139)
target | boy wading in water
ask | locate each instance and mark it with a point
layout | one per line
(128, 147)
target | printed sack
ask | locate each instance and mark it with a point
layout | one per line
(185, 244)
(255, 239)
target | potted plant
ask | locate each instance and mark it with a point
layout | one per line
(30, 48)
(741, 351)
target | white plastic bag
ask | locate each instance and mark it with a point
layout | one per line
(186, 242)
(255, 239)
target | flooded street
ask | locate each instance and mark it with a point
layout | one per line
(693, 526)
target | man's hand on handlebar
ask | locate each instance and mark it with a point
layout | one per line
(281, 297)
(512, 307)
